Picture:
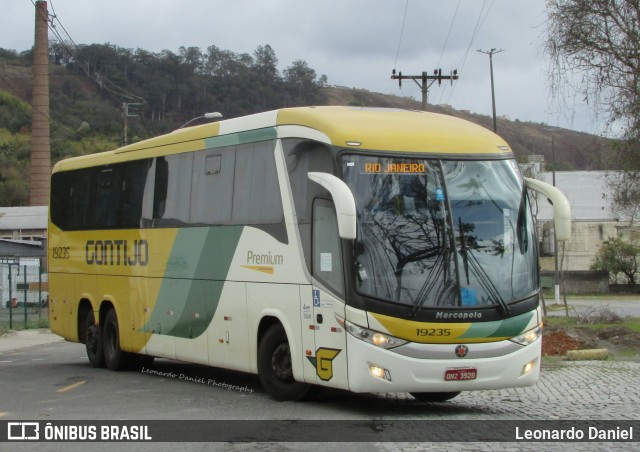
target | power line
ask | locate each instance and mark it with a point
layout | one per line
(406, 7)
(476, 29)
(455, 14)
(55, 16)
(116, 91)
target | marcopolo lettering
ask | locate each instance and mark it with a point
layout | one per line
(466, 315)
(117, 252)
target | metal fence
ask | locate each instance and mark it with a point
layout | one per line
(24, 296)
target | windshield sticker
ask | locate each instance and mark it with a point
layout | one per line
(469, 296)
(325, 262)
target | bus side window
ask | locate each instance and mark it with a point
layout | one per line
(212, 186)
(107, 200)
(302, 157)
(172, 190)
(133, 176)
(160, 187)
(256, 193)
(146, 220)
(327, 261)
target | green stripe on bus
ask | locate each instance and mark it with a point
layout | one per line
(250, 136)
(501, 328)
(194, 278)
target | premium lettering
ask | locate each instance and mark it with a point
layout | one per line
(264, 259)
(117, 252)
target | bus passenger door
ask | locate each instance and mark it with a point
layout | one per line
(330, 355)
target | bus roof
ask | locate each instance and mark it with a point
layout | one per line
(379, 129)
(396, 130)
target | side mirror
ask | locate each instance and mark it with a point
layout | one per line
(561, 207)
(343, 201)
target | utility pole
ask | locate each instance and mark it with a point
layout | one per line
(125, 115)
(423, 81)
(493, 95)
(40, 171)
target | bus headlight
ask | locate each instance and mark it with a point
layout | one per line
(528, 337)
(372, 337)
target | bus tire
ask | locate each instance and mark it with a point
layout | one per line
(274, 366)
(114, 357)
(93, 340)
(434, 396)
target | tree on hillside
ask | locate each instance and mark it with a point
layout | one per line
(303, 82)
(618, 256)
(597, 43)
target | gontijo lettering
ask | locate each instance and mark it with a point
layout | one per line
(117, 252)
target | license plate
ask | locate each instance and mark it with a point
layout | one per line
(460, 374)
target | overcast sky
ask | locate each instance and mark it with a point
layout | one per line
(355, 43)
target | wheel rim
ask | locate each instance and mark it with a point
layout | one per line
(281, 362)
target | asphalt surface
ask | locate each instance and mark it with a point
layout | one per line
(46, 379)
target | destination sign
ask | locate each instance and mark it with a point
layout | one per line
(395, 168)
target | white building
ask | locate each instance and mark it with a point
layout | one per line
(23, 255)
(593, 220)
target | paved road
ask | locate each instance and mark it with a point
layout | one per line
(621, 305)
(55, 382)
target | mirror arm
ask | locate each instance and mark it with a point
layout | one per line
(343, 200)
(561, 207)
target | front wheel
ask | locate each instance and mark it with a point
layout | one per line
(434, 396)
(274, 366)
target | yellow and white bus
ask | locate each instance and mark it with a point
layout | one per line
(372, 250)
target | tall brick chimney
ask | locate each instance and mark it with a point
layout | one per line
(40, 173)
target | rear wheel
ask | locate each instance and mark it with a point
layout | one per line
(93, 340)
(434, 396)
(274, 366)
(114, 357)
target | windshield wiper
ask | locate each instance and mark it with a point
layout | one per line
(481, 274)
(463, 250)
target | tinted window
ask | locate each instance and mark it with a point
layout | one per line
(256, 194)
(228, 185)
(303, 156)
(172, 191)
(212, 187)
(108, 197)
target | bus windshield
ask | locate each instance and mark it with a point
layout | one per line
(442, 233)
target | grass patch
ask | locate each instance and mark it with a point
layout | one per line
(19, 324)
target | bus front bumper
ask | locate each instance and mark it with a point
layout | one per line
(373, 369)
